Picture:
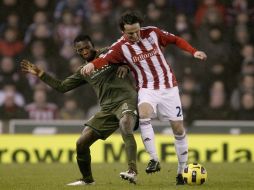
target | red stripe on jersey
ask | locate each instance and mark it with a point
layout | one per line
(163, 69)
(151, 66)
(133, 53)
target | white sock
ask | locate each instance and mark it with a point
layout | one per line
(181, 146)
(147, 135)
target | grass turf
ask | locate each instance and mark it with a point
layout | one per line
(231, 176)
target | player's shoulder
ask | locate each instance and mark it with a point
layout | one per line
(102, 51)
(149, 28)
(118, 43)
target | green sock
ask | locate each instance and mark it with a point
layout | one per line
(131, 151)
(85, 169)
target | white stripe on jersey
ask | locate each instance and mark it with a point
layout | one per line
(164, 62)
(128, 56)
(144, 65)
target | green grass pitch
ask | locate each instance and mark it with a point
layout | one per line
(231, 176)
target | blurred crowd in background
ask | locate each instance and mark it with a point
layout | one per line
(42, 31)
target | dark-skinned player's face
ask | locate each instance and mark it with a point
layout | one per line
(85, 49)
(132, 32)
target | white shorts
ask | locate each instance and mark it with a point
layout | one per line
(166, 103)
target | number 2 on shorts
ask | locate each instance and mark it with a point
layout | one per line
(179, 114)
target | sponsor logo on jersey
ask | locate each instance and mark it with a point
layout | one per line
(142, 56)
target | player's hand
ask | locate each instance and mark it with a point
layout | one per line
(122, 71)
(87, 69)
(28, 67)
(200, 55)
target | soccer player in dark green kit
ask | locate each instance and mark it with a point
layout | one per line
(118, 101)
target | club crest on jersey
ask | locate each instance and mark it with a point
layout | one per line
(125, 106)
(150, 39)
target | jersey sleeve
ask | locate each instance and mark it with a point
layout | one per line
(113, 56)
(65, 85)
(166, 38)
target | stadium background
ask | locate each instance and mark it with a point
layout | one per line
(217, 96)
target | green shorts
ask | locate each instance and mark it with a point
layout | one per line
(106, 121)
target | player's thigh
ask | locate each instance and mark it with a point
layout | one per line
(147, 103)
(103, 123)
(170, 107)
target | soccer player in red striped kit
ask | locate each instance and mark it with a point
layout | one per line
(158, 94)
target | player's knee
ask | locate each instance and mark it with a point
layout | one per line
(127, 124)
(178, 128)
(145, 111)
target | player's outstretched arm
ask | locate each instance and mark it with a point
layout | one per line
(28, 67)
(200, 55)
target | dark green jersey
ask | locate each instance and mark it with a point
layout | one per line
(110, 89)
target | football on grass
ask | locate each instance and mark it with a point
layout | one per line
(194, 174)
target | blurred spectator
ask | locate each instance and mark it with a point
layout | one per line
(10, 88)
(237, 7)
(241, 37)
(187, 7)
(43, 32)
(66, 52)
(99, 38)
(10, 45)
(46, 6)
(39, 18)
(247, 68)
(13, 20)
(182, 24)
(7, 7)
(217, 47)
(10, 75)
(246, 111)
(210, 12)
(248, 53)
(66, 30)
(218, 108)
(104, 7)
(40, 109)
(189, 110)
(246, 85)
(76, 7)
(101, 35)
(155, 17)
(70, 110)
(10, 110)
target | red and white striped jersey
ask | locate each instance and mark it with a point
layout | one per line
(48, 112)
(145, 57)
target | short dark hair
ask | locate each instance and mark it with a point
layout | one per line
(130, 17)
(83, 37)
